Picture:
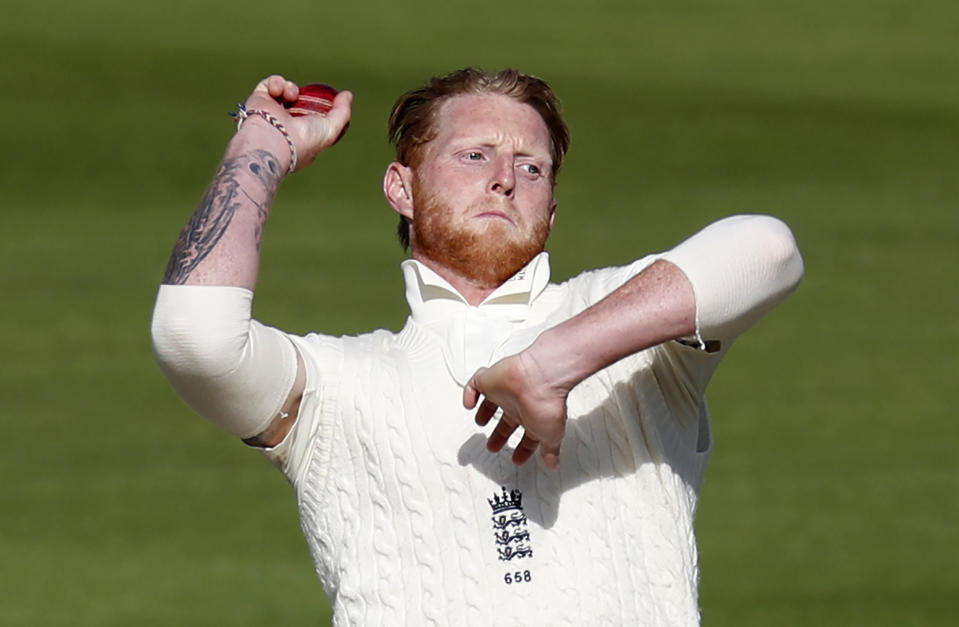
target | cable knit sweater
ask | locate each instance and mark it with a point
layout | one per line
(411, 521)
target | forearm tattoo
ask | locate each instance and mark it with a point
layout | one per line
(223, 198)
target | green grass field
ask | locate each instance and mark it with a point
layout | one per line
(833, 494)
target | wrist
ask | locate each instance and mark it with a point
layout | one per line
(259, 129)
(558, 361)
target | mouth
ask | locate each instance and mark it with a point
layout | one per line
(495, 215)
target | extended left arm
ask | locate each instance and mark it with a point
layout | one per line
(715, 284)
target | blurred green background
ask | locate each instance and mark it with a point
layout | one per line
(832, 495)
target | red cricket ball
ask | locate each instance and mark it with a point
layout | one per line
(314, 98)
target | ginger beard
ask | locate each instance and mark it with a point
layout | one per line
(487, 255)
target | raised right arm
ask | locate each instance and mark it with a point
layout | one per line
(243, 376)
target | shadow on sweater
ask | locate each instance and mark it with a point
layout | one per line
(631, 434)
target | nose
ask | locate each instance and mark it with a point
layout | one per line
(503, 180)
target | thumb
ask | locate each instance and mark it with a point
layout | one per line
(342, 112)
(472, 390)
(322, 130)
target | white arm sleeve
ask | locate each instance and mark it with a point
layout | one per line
(740, 268)
(229, 368)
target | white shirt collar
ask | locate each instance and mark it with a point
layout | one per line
(431, 297)
(471, 337)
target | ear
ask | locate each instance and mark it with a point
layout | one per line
(552, 215)
(398, 188)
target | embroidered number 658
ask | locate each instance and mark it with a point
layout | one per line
(518, 577)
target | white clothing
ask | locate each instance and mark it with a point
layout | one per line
(213, 354)
(411, 521)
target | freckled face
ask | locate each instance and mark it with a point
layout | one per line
(483, 198)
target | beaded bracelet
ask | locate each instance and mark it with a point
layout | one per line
(244, 113)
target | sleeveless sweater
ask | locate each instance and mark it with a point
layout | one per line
(411, 521)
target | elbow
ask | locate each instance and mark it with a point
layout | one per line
(190, 343)
(224, 365)
(775, 250)
(740, 268)
(183, 349)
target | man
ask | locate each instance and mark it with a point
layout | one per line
(414, 511)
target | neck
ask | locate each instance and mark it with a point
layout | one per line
(475, 292)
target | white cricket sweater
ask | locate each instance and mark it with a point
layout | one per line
(412, 522)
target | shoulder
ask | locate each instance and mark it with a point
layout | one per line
(321, 343)
(331, 354)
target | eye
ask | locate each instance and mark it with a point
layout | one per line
(474, 155)
(531, 169)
